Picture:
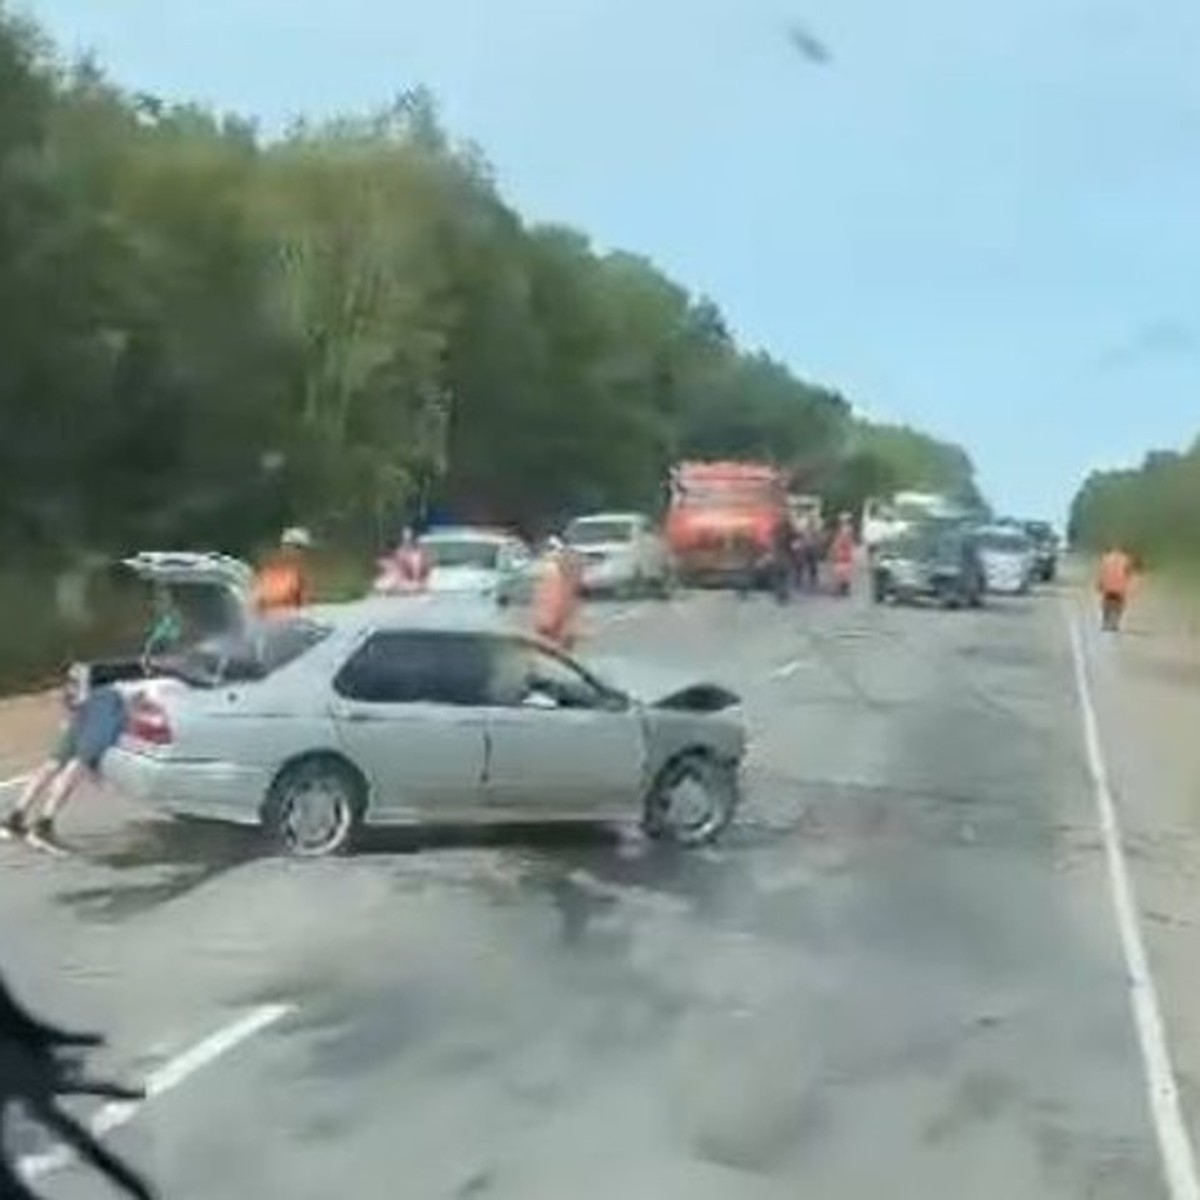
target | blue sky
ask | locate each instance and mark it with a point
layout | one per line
(984, 220)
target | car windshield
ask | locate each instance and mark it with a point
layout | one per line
(1003, 543)
(463, 552)
(249, 654)
(594, 532)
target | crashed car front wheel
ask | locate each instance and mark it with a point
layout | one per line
(692, 800)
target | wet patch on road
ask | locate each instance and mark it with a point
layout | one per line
(154, 862)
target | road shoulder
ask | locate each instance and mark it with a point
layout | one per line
(1147, 693)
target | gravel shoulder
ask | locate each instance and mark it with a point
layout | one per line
(1147, 685)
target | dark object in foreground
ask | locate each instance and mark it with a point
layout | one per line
(40, 1064)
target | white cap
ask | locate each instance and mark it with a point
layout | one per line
(297, 535)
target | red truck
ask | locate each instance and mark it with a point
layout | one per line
(723, 520)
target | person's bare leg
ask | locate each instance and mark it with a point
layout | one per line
(22, 813)
(61, 790)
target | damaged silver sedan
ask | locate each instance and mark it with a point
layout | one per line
(421, 709)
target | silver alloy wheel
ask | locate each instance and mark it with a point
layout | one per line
(315, 814)
(692, 801)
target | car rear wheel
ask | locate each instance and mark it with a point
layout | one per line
(314, 808)
(692, 800)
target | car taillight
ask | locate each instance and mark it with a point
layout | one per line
(148, 721)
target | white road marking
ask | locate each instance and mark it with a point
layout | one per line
(1179, 1163)
(167, 1077)
(622, 614)
(15, 781)
(788, 669)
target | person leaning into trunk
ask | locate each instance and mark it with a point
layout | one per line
(94, 725)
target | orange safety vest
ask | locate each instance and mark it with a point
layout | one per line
(555, 603)
(1116, 574)
(280, 586)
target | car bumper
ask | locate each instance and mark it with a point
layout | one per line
(209, 789)
(1007, 585)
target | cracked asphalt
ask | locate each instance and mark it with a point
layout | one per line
(897, 975)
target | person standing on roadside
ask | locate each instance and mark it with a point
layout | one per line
(556, 596)
(406, 569)
(783, 556)
(842, 551)
(1114, 582)
(284, 581)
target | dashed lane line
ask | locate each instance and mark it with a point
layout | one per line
(165, 1079)
(1178, 1157)
(788, 669)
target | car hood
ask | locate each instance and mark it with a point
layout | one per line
(662, 687)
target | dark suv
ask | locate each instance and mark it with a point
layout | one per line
(936, 560)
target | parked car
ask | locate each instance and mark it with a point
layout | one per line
(1045, 549)
(934, 560)
(376, 713)
(622, 554)
(1008, 560)
(479, 562)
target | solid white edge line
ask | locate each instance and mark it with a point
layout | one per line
(167, 1077)
(15, 781)
(1179, 1163)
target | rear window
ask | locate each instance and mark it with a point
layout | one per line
(594, 533)
(462, 552)
(250, 654)
(1004, 543)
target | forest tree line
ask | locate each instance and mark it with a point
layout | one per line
(208, 334)
(1153, 510)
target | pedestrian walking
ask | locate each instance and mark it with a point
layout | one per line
(1114, 581)
(842, 552)
(556, 596)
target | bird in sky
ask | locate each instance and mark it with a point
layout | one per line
(808, 44)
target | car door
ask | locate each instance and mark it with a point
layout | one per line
(560, 744)
(407, 713)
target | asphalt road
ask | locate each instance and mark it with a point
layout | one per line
(897, 975)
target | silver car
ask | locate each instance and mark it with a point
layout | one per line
(622, 555)
(1009, 560)
(430, 709)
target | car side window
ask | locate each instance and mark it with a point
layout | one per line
(415, 668)
(525, 674)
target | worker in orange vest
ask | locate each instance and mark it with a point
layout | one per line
(284, 582)
(556, 597)
(842, 551)
(1114, 582)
